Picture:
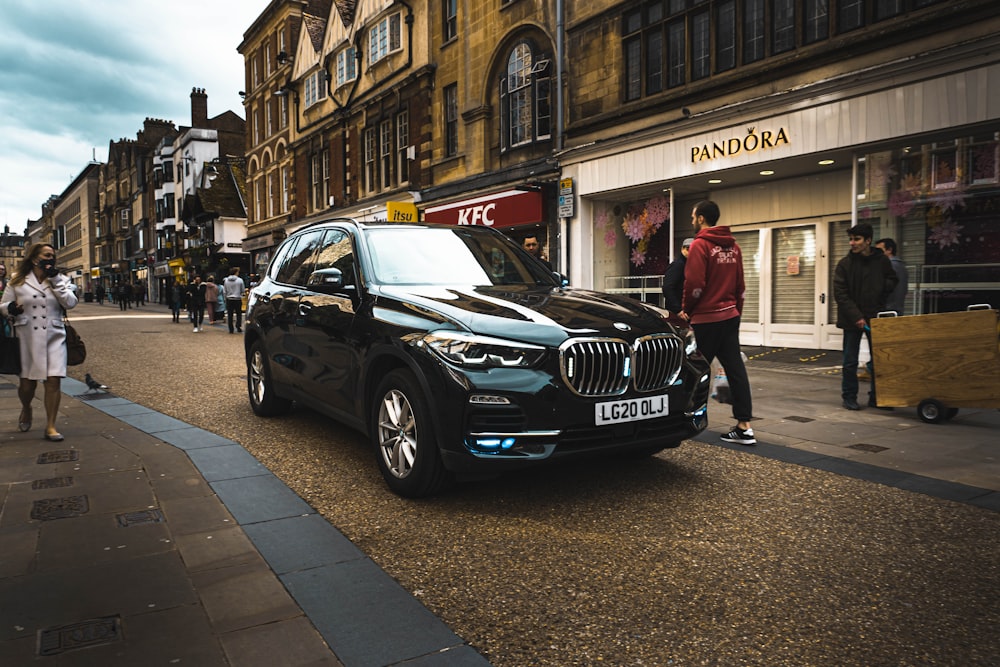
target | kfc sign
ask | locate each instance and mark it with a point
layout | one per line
(503, 209)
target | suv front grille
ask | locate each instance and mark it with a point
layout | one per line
(605, 366)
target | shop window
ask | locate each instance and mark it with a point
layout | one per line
(984, 160)
(944, 166)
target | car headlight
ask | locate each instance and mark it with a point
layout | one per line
(473, 351)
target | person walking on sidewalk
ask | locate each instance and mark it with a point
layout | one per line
(673, 280)
(37, 298)
(713, 301)
(196, 303)
(897, 300)
(211, 298)
(233, 289)
(862, 282)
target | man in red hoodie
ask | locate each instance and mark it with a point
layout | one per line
(713, 300)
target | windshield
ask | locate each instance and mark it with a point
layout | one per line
(451, 256)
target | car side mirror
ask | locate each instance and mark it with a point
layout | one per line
(563, 280)
(326, 280)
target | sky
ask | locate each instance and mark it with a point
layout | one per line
(77, 74)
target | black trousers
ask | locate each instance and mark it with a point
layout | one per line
(721, 340)
(234, 308)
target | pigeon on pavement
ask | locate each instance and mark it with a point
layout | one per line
(94, 385)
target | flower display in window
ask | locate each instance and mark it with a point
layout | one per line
(640, 224)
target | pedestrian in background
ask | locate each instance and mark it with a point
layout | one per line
(37, 298)
(195, 293)
(673, 280)
(714, 288)
(176, 300)
(897, 300)
(862, 282)
(233, 289)
(99, 291)
(211, 298)
(534, 249)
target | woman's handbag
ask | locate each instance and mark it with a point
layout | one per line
(10, 354)
(76, 351)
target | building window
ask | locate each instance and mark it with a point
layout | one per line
(451, 120)
(347, 66)
(385, 152)
(817, 21)
(402, 146)
(885, 9)
(271, 194)
(701, 54)
(525, 98)
(285, 188)
(321, 179)
(850, 15)
(753, 30)
(315, 87)
(385, 38)
(283, 113)
(725, 39)
(126, 216)
(783, 26)
(450, 19)
(268, 118)
(370, 173)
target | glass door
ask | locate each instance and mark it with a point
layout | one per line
(794, 313)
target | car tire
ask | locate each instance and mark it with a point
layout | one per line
(263, 399)
(403, 435)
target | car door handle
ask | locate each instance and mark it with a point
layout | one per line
(304, 309)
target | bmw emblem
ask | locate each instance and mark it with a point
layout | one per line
(621, 326)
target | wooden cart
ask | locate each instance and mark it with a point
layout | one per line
(939, 362)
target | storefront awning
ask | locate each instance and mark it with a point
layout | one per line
(502, 209)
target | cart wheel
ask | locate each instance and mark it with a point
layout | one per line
(931, 411)
(952, 412)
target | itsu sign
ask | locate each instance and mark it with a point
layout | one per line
(503, 209)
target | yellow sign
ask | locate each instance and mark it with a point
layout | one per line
(401, 212)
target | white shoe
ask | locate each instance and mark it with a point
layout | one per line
(195, 330)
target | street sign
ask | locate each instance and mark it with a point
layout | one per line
(566, 198)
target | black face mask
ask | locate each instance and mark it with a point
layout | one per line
(48, 266)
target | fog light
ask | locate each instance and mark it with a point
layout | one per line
(492, 445)
(488, 399)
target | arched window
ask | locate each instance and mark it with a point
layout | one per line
(525, 104)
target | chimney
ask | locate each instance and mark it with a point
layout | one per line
(199, 108)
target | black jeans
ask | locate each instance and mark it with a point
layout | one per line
(234, 307)
(722, 340)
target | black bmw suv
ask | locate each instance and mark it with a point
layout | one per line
(458, 353)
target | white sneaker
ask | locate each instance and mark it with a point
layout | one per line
(195, 330)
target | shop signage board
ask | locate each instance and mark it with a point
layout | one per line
(502, 209)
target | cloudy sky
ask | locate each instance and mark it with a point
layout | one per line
(75, 74)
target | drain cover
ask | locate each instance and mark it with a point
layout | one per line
(59, 456)
(59, 508)
(865, 447)
(138, 518)
(51, 483)
(80, 635)
(801, 420)
(95, 396)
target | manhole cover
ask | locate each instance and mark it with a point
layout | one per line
(865, 447)
(801, 420)
(94, 632)
(51, 483)
(59, 456)
(59, 508)
(138, 518)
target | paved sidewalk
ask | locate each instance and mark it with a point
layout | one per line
(142, 540)
(798, 418)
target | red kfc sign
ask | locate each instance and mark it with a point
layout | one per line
(503, 209)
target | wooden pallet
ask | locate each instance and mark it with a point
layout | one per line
(953, 358)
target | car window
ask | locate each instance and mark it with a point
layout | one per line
(337, 253)
(448, 257)
(297, 264)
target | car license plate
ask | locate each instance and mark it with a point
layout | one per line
(631, 410)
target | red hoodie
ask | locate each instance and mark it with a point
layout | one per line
(713, 277)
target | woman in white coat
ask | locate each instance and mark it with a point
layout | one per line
(37, 297)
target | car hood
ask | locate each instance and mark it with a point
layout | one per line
(541, 315)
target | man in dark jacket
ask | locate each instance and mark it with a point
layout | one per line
(861, 283)
(673, 280)
(713, 300)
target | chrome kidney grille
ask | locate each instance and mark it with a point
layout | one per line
(606, 366)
